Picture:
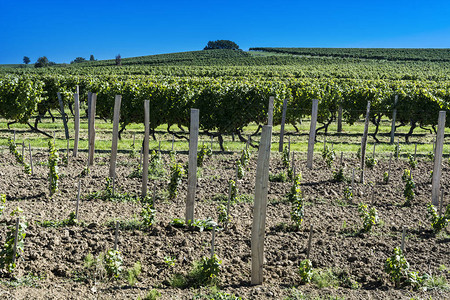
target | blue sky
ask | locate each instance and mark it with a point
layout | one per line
(63, 30)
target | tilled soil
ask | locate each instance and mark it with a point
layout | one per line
(56, 255)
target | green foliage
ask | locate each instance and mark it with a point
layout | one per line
(369, 217)
(133, 273)
(358, 153)
(245, 158)
(70, 221)
(348, 193)
(328, 155)
(204, 152)
(7, 251)
(338, 176)
(430, 155)
(305, 270)
(169, 261)
(408, 192)
(221, 44)
(198, 225)
(217, 295)
(234, 191)
(285, 157)
(107, 194)
(148, 214)
(397, 267)
(204, 272)
(386, 177)
(371, 162)
(18, 156)
(280, 177)
(412, 161)
(296, 199)
(438, 223)
(223, 217)
(2, 203)
(397, 149)
(113, 263)
(85, 172)
(176, 173)
(151, 295)
(53, 159)
(240, 169)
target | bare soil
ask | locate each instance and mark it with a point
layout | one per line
(56, 255)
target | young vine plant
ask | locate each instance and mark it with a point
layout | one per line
(53, 167)
(7, 251)
(438, 222)
(18, 156)
(176, 173)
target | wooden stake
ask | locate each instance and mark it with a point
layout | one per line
(228, 206)
(415, 151)
(398, 148)
(212, 240)
(78, 199)
(364, 142)
(23, 149)
(260, 206)
(192, 172)
(403, 240)
(16, 236)
(115, 137)
(68, 146)
(342, 154)
(289, 144)
(31, 159)
(159, 147)
(76, 124)
(173, 140)
(312, 133)
(339, 120)
(116, 235)
(394, 115)
(63, 115)
(145, 147)
(270, 111)
(441, 203)
(436, 180)
(309, 242)
(92, 129)
(14, 136)
(353, 182)
(283, 120)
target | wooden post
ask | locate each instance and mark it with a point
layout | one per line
(436, 181)
(312, 133)
(353, 182)
(342, 155)
(31, 159)
(394, 115)
(289, 144)
(63, 115)
(339, 120)
(92, 129)
(173, 140)
(154, 195)
(283, 120)
(116, 235)
(260, 205)
(364, 142)
(308, 252)
(76, 124)
(145, 147)
(324, 142)
(16, 236)
(78, 199)
(192, 172)
(398, 149)
(228, 206)
(14, 136)
(212, 240)
(402, 247)
(415, 151)
(115, 137)
(270, 111)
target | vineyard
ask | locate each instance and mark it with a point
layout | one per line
(70, 229)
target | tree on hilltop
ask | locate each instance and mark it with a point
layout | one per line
(221, 44)
(92, 57)
(26, 60)
(42, 62)
(78, 60)
(118, 60)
